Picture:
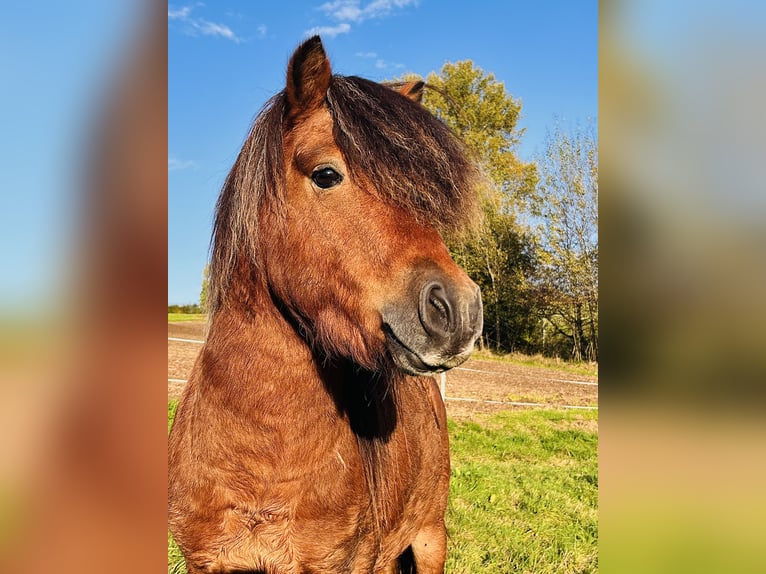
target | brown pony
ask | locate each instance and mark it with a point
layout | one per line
(308, 438)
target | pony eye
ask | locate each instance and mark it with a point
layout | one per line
(326, 177)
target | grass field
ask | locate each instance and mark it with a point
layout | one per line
(523, 494)
(174, 317)
(539, 361)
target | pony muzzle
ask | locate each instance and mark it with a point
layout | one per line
(436, 329)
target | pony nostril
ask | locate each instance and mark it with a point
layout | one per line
(435, 310)
(440, 307)
(436, 302)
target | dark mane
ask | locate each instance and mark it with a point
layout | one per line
(412, 159)
(257, 171)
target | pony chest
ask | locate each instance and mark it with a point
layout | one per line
(284, 539)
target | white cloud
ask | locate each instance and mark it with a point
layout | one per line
(331, 31)
(384, 65)
(195, 26)
(212, 29)
(180, 14)
(350, 10)
(174, 164)
(346, 11)
(366, 55)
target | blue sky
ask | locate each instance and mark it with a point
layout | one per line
(226, 58)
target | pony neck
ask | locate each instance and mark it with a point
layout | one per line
(296, 402)
(284, 374)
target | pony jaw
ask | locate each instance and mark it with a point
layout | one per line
(414, 363)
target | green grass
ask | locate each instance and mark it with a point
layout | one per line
(176, 563)
(538, 361)
(523, 494)
(172, 407)
(186, 317)
(175, 558)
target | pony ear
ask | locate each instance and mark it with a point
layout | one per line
(413, 90)
(308, 77)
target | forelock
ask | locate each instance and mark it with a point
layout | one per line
(411, 158)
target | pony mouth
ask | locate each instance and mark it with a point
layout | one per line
(413, 363)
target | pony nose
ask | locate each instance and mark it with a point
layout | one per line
(450, 315)
(434, 326)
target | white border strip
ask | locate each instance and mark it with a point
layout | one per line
(186, 340)
(573, 382)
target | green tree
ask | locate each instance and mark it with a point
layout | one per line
(203, 295)
(498, 257)
(498, 254)
(566, 203)
(477, 107)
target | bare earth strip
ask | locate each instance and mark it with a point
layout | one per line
(475, 379)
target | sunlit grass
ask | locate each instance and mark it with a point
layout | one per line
(175, 317)
(524, 493)
(581, 368)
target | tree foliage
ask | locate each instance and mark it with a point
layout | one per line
(498, 254)
(189, 309)
(566, 203)
(477, 107)
(203, 295)
(535, 253)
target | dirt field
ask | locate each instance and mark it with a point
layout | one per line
(475, 380)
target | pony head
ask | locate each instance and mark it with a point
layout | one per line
(333, 213)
